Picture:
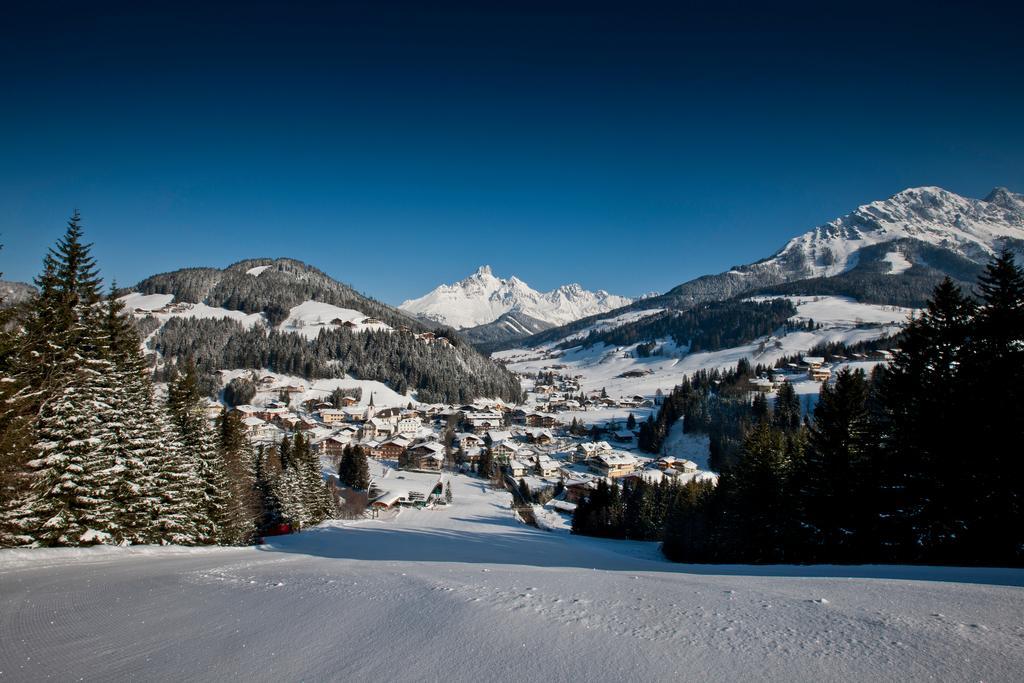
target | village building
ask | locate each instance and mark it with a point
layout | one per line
(613, 464)
(578, 489)
(426, 456)
(516, 468)
(392, 449)
(408, 424)
(588, 449)
(546, 467)
(539, 436)
(820, 374)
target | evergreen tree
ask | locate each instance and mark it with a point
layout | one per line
(925, 494)
(238, 459)
(184, 400)
(993, 373)
(786, 415)
(834, 478)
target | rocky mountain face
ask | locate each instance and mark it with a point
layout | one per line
(892, 251)
(488, 308)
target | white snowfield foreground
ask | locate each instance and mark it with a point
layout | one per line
(468, 594)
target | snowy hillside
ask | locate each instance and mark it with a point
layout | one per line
(892, 251)
(248, 316)
(412, 597)
(623, 373)
(482, 298)
(971, 228)
(929, 227)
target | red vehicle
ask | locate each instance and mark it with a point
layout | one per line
(276, 530)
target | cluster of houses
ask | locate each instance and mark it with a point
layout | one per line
(423, 439)
(815, 368)
(554, 394)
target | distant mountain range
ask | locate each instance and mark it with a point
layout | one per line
(488, 308)
(892, 251)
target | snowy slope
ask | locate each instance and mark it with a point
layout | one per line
(309, 317)
(601, 366)
(972, 228)
(482, 298)
(163, 307)
(962, 227)
(469, 594)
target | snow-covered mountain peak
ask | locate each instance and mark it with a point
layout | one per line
(482, 298)
(973, 228)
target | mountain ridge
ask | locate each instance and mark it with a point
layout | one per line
(932, 233)
(482, 298)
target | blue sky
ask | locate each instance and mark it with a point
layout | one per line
(625, 146)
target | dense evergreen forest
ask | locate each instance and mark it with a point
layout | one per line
(917, 463)
(89, 454)
(438, 373)
(706, 327)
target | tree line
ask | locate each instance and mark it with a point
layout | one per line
(90, 453)
(705, 327)
(915, 463)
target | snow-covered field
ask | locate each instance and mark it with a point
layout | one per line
(383, 395)
(467, 593)
(601, 366)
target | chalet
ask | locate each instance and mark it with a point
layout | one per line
(578, 489)
(350, 324)
(252, 423)
(271, 414)
(331, 416)
(678, 464)
(546, 467)
(333, 446)
(392, 449)
(813, 361)
(541, 420)
(539, 436)
(482, 421)
(247, 410)
(427, 456)
(516, 468)
(467, 440)
(266, 381)
(613, 464)
(686, 466)
(587, 450)
(820, 374)
(267, 432)
(761, 384)
(495, 436)
(347, 401)
(471, 456)
(504, 450)
(623, 436)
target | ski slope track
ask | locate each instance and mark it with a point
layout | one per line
(467, 593)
